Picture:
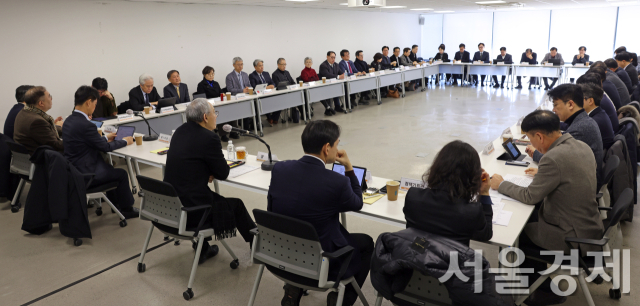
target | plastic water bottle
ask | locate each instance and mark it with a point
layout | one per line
(231, 153)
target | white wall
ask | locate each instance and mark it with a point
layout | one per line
(469, 29)
(508, 32)
(431, 35)
(627, 34)
(65, 44)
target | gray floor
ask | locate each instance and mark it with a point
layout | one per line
(398, 138)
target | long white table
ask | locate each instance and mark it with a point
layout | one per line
(362, 84)
(573, 72)
(538, 71)
(280, 100)
(490, 70)
(161, 123)
(325, 91)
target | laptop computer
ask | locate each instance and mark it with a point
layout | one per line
(166, 102)
(282, 85)
(197, 96)
(260, 88)
(554, 61)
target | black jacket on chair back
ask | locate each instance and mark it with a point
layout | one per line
(62, 200)
(394, 262)
(8, 181)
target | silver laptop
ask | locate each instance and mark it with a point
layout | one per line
(260, 88)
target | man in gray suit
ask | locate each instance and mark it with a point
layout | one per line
(176, 88)
(237, 81)
(565, 183)
(568, 102)
(553, 54)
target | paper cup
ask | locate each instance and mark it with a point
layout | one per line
(147, 109)
(250, 90)
(392, 190)
(138, 140)
(324, 80)
(506, 137)
(100, 131)
(300, 83)
(228, 96)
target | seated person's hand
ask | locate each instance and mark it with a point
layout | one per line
(394, 63)
(529, 150)
(59, 121)
(210, 178)
(270, 87)
(486, 183)
(343, 159)
(154, 103)
(340, 77)
(111, 137)
(496, 179)
(246, 90)
(531, 171)
(129, 140)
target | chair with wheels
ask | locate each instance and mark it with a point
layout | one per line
(588, 264)
(291, 250)
(160, 205)
(21, 166)
(421, 290)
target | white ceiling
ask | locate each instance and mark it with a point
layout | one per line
(458, 6)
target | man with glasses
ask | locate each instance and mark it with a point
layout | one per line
(259, 76)
(34, 127)
(237, 81)
(282, 75)
(195, 160)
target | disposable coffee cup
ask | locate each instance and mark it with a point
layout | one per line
(147, 109)
(250, 90)
(138, 140)
(300, 83)
(324, 80)
(392, 190)
(100, 131)
(506, 137)
(228, 96)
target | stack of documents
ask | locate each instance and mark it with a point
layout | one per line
(501, 216)
(238, 171)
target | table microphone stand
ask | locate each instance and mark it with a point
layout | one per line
(148, 137)
(268, 164)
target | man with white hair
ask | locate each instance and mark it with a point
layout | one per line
(237, 81)
(144, 95)
(195, 160)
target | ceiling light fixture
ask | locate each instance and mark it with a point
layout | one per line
(394, 7)
(301, 0)
(490, 2)
(443, 12)
(422, 9)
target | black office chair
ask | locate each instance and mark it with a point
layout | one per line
(587, 264)
(610, 167)
(21, 166)
(291, 250)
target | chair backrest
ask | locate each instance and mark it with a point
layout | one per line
(197, 95)
(160, 202)
(20, 163)
(610, 168)
(635, 104)
(123, 107)
(288, 244)
(619, 208)
(425, 290)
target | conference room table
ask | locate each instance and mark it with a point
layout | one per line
(492, 69)
(574, 72)
(362, 84)
(278, 100)
(323, 91)
(538, 71)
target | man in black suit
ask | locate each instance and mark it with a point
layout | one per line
(484, 57)
(195, 160)
(144, 95)
(464, 57)
(331, 70)
(304, 189)
(83, 145)
(176, 88)
(362, 66)
(592, 94)
(634, 56)
(621, 73)
(506, 58)
(624, 62)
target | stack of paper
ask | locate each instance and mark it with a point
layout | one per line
(500, 216)
(238, 171)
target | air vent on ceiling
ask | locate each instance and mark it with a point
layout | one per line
(367, 3)
(505, 5)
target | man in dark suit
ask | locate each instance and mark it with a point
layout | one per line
(257, 77)
(634, 56)
(612, 65)
(506, 58)
(144, 95)
(195, 160)
(363, 67)
(484, 57)
(461, 56)
(531, 58)
(304, 189)
(33, 126)
(624, 61)
(282, 75)
(349, 68)
(176, 88)
(592, 94)
(13, 112)
(329, 69)
(83, 145)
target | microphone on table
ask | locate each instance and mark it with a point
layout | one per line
(266, 165)
(141, 114)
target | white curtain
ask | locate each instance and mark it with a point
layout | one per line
(431, 35)
(520, 30)
(470, 29)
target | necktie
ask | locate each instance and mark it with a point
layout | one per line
(240, 80)
(349, 67)
(146, 98)
(178, 90)
(262, 78)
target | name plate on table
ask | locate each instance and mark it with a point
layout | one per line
(125, 117)
(425, 65)
(368, 177)
(524, 64)
(579, 65)
(168, 109)
(353, 77)
(332, 80)
(296, 86)
(478, 62)
(548, 64)
(500, 63)
(372, 74)
(306, 85)
(164, 138)
(214, 100)
(397, 69)
(109, 129)
(506, 131)
(268, 90)
(488, 149)
(241, 95)
(263, 156)
(439, 61)
(406, 183)
(381, 72)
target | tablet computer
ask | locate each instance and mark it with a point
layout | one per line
(512, 151)
(166, 102)
(359, 171)
(260, 88)
(282, 85)
(554, 61)
(197, 96)
(97, 123)
(125, 131)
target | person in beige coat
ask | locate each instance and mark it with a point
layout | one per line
(565, 183)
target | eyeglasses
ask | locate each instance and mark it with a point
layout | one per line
(217, 113)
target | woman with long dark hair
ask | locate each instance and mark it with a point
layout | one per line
(456, 202)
